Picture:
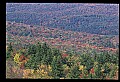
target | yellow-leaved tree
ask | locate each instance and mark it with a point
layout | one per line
(42, 73)
(16, 59)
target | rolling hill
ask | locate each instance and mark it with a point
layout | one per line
(91, 18)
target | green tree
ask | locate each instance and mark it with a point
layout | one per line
(74, 73)
(114, 58)
(31, 49)
(98, 72)
(55, 52)
(43, 55)
(57, 68)
(100, 58)
(49, 57)
(39, 52)
(46, 54)
(9, 51)
(32, 62)
(87, 61)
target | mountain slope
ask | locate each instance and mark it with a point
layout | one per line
(23, 34)
(90, 18)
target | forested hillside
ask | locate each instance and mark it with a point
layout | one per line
(43, 62)
(90, 18)
(62, 41)
(69, 55)
(22, 34)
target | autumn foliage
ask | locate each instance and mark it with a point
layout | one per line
(63, 65)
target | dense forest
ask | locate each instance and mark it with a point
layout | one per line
(76, 17)
(27, 55)
(41, 61)
(62, 41)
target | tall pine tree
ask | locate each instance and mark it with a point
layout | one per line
(9, 51)
(57, 69)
